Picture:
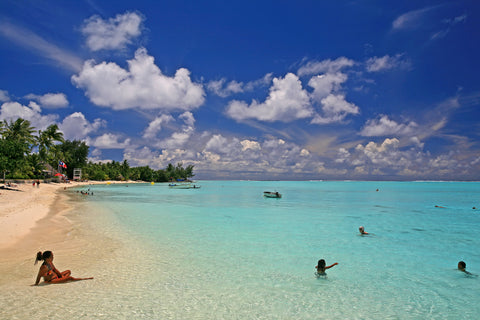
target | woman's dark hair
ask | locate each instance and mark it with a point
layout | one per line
(462, 264)
(43, 256)
(321, 263)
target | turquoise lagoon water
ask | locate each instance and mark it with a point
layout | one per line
(225, 252)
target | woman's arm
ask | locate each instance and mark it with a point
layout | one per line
(59, 274)
(40, 274)
(331, 265)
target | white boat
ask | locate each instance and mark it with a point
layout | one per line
(269, 194)
(183, 186)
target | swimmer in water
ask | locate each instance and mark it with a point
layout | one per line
(461, 266)
(321, 267)
(362, 231)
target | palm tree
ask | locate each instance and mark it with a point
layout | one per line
(17, 141)
(46, 140)
(2, 126)
(20, 131)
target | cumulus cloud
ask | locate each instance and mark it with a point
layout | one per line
(77, 127)
(335, 109)
(287, 101)
(323, 85)
(180, 138)
(50, 100)
(109, 141)
(325, 66)
(141, 86)
(383, 126)
(189, 120)
(377, 64)
(390, 159)
(218, 144)
(114, 33)
(225, 156)
(249, 144)
(11, 111)
(156, 125)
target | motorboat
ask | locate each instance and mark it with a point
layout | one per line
(270, 194)
(183, 186)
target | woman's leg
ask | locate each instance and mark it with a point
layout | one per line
(66, 273)
(66, 276)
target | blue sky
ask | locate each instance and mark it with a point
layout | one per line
(371, 90)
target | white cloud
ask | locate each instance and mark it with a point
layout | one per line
(109, 141)
(286, 102)
(11, 111)
(249, 144)
(77, 127)
(218, 144)
(219, 88)
(444, 162)
(383, 126)
(389, 159)
(30, 40)
(335, 109)
(50, 100)
(387, 62)
(114, 33)
(156, 125)
(189, 120)
(325, 66)
(4, 97)
(230, 156)
(451, 22)
(176, 140)
(262, 82)
(325, 84)
(342, 155)
(378, 156)
(411, 19)
(180, 138)
(142, 86)
(223, 89)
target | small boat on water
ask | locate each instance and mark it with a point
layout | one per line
(183, 186)
(269, 194)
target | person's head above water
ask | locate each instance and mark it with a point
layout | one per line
(321, 263)
(362, 230)
(461, 266)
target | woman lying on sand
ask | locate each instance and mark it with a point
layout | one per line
(49, 273)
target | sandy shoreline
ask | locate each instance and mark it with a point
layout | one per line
(35, 218)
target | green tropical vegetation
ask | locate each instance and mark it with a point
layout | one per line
(29, 154)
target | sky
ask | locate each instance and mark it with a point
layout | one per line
(253, 90)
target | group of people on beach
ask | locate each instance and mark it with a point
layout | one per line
(322, 266)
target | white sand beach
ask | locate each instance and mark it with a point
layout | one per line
(35, 219)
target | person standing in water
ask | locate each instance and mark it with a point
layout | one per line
(48, 271)
(321, 267)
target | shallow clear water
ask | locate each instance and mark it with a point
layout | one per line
(225, 252)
